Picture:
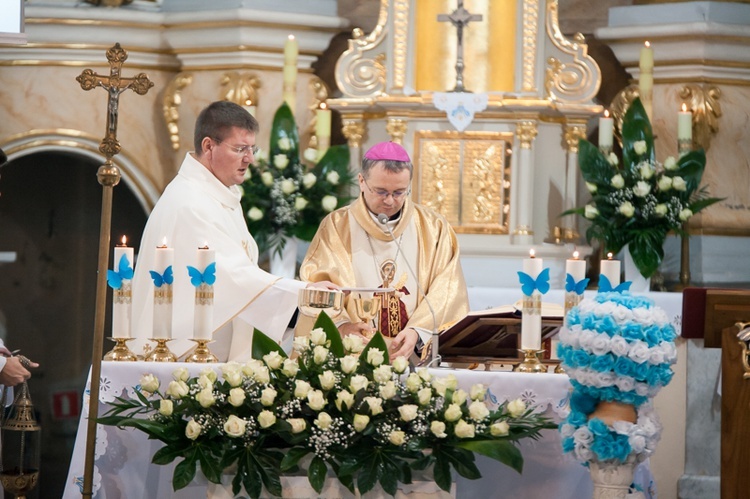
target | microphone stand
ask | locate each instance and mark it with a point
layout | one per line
(435, 360)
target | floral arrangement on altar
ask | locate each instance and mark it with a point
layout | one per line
(340, 407)
(285, 196)
(638, 202)
(617, 349)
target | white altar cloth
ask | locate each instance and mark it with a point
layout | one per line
(123, 468)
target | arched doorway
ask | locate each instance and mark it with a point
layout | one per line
(50, 205)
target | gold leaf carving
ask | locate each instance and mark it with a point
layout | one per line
(354, 131)
(526, 131)
(704, 102)
(171, 106)
(241, 89)
(396, 129)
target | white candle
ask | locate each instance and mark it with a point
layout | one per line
(122, 297)
(204, 297)
(323, 129)
(163, 260)
(576, 267)
(531, 319)
(249, 107)
(606, 131)
(685, 124)
(646, 77)
(291, 50)
(611, 269)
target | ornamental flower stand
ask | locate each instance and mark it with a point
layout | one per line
(612, 479)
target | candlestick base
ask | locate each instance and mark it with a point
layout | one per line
(559, 369)
(201, 354)
(530, 363)
(161, 352)
(121, 352)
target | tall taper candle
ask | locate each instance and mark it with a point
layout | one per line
(646, 78)
(204, 297)
(606, 132)
(291, 50)
(684, 130)
(164, 259)
(122, 298)
(531, 313)
(323, 129)
(611, 269)
(249, 107)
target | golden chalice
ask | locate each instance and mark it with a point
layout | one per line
(313, 301)
(367, 306)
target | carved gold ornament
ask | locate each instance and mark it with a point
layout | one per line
(526, 131)
(530, 28)
(358, 72)
(240, 88)
(573, 133)
(703, 100)
(396, 129)
(354, 131)
(171, 106)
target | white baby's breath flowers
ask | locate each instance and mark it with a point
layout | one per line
(333, 178)
(193, 429)
(590, 212)
(639, 146)
(236, 397)
(166, 407)
(150, 383)
(267, 178)
(300, 203)
(360, 422)
(438, 429)
(627, 209)
(266, 419)
(255, 214)
(617, 181)
(329, 202)
(516, 407)
(234, 426)
(464, 429)
(267, 396)
(280, 161)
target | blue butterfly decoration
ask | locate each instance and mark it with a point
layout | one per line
(208, 276)
(605, 286)
(166, 278)
(124, 271)
(529, 284)
(572, 286)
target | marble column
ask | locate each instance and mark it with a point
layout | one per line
(573, 133)
(523, 234)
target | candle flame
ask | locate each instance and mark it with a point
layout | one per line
(124, 240)
(684, 107)
(606, 113)
(205, 246)
(575, 255)
(647, 44)
(609, 256)
(163, 243)
(323, 105)
(532, 253)
(291, 37)
(248, 102)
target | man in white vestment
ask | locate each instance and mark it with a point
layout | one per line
(355, 247)
(200, 207)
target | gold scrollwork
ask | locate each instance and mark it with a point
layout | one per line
(704, 102)
(575, 81)
(396, 129)
(526, 131)
(240, 88)
(171, 106)
(400, 38)
(620, 105)
(320, 95)
(573, 133)
(530, 28)
(354, 131)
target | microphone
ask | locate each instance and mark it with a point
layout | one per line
(383, 220)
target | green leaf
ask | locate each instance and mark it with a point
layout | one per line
(210, 465)
(317, 473)
(251, 475)
(292, 457)
(636, 127)
(691, 167)
(389, 478)
(184, 472)
(463, 462)
(263, 345)
(700, 204)
(284, 126)
(499, 450)
(335, 159)
(594, 166)
(647, 251)
(369, 473)
(377, 342)
(170, 452)
(332, 334)
(442, 473)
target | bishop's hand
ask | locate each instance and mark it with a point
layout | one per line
(323, 285)
(360, 329)
(403, 344)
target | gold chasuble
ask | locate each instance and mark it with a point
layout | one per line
(352, 249)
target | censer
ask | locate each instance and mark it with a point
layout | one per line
(20, 446)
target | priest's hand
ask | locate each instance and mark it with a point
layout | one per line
(324, 285)
(15, 371)
(356, 328)
(403, 344)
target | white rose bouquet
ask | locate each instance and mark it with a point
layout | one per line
(286, 196)
(345, 407)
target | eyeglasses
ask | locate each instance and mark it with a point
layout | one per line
(383, 194)
(242, 150)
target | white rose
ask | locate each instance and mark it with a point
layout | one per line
(424, 395)
(284, 143)
(388, 390)
(382, 373)
(499, 429)
(318, 336)
(670, 163)
(477, 392)
(206, 397)
(413, 382)
(424, 374)
(438, 429)
(298, 424)
(193, 429)
(516, 407)
(300, 203)
(329, 202)
(646, 170)
(400, 364)
(251, 366)
(619, 346)
(267, 178)
(397, 437)
(262, 375)
(349, 364)
(612, 159)
(639, 146)
(590, 211)
(261, 155)
(358, 383)
(255, 214)
(323, 421)
(459, 397)
(627, 209)
(641, 189)
(181, 374)
(310, 154)
(205, 382)
(247, 175)
(617, 181)
(685, 214)
(464, 429)
(344, 399)
(639, 351)
(177, 389)
(333, 178)
(320, 354)
(478, 410)
(327, 380)
(166, 407)
(664, 183)
(678, 184)
(375, 404)
(150, 383)
(451, 381)
(266, 419)
(301, 388)
(440, 385)
(591, 187)
(309, 179)
(453, 412)
(287, 186)
(234, 426)
(234, 378)
(290, 367)
(267, 396)
(316, 400)
(360, 422)
(273, 360)
(301, 343)
(236, 396)
(600, 345)
(408, 412)
(353, 344)
(375, 357)
(209, 373)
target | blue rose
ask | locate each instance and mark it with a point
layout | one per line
(622, 366)
(598, 428)
(603, 363)
(653, 335)
(568, 444)
(631, 331)
(582, 403)
(580, 359)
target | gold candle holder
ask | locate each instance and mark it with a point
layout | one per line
(531, 363)
(161, 352)
(121, 352)
(201, 353)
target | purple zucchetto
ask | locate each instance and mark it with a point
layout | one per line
(387, 151)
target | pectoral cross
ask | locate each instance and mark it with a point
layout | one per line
(114, 84)
(459, 18)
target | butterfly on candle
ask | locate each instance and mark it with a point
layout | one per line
(166, 278)
(208, 276)
(124, 272)
(572, 286)
(529, 284)
(605, 286)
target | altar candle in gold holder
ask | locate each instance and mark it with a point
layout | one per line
(249, 107)
(323, 129)
(606, 132)
(646, 78)
(204, 296)
(531, 312)
(291, 51)
(122, 297)
(163, 277)
(611, 269)
(684, 130)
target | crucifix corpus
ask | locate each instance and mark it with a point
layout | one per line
(109, 176)
(459, 18)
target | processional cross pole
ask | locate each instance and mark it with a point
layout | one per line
(459, 18)
(108, 176)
